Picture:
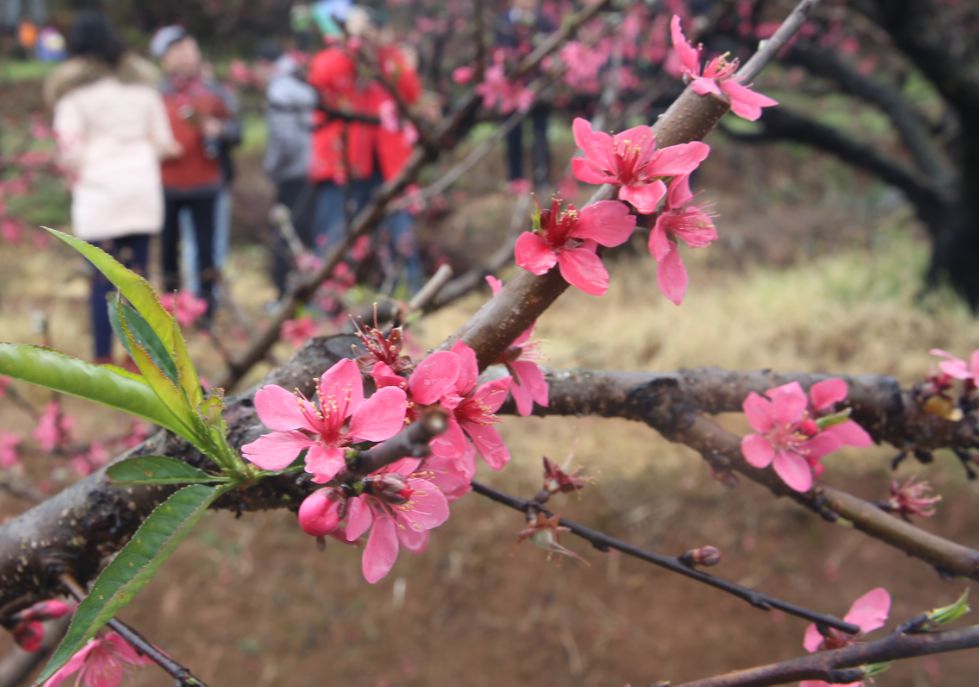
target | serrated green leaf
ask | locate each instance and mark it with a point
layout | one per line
(142, 333)
(168, 393)
(133, 568)
(149, 470)
(138, 291)
(103, 384)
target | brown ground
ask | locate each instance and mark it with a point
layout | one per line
(253, 603)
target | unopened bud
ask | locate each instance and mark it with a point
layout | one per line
(391, 487)
(320, 513)
(702, 555)
(47, 610)
(29, 634)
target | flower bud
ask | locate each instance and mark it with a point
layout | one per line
(319, 514)
(391, 487)
(47, 610)
(702, 555)
(29, 634)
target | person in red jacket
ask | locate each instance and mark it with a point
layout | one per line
(193, 179)
(351, 158)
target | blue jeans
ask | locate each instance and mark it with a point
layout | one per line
(403, 252)
(132, 251)
(329, 219)
(188, 240)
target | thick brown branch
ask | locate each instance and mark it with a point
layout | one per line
(661, 402)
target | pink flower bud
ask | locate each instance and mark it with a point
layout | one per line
(319, 514)
(29, 634)
(702, 555)
(391, 487)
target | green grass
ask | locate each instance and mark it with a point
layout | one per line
(25, 70)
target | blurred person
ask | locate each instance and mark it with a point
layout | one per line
(112, 131)
(229, 139)
(351, 158)
(192, 180)
(516, 33)
(289, 104)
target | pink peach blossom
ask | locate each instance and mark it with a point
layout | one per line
(103, 662)
(185, 307)
(869, 613)
(399, 505)
(342, 417)
(569, 240)
(630, 160)
(717, 78)
(678, 220)
(54, 427)
(297, 331)
(958, 368)
(788, 438)
(520, 358)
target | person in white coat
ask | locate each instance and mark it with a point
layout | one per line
(112, 132)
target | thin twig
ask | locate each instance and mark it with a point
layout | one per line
(769, 48)
(831, 666)
(604, 542)
(180, 673)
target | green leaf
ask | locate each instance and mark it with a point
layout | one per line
(143, 334)
(947, 614)
(166, 390)
(103, 384)
(139, 292)
(145, 470)
(133, 568)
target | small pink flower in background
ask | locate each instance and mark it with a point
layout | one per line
(570, 238)
(912, 497)
(958, 368)
(342, 417)
(4, 383)
(462, 75)
(717, 78)
(869, 613)
(520, 358)
(520, 186)
(239, 73)
(138, 431)
(308, 262)
(9, 457)
(53, 428)
(11, 230)
(95, 457)
(789, 439)
(583, 64)
(299, 330)
(399, 507)
(103, 662)
(185, 307)
(679, 221)
(630, 159)
(29, 635)
(502, 94)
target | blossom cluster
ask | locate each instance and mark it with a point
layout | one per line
(569, 238)
(793, 432)
(400, 503)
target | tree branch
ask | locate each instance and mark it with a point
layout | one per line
(604, 542)
(829, 665)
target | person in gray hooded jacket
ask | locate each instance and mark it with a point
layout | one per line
(289, 106)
